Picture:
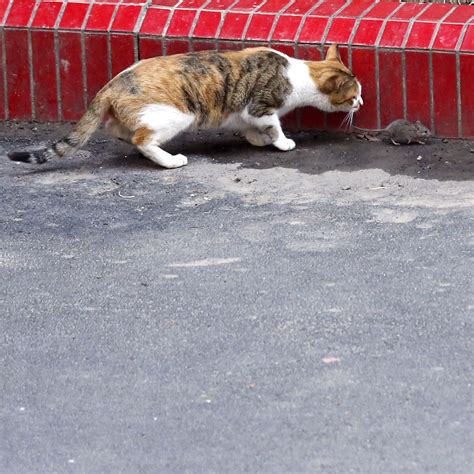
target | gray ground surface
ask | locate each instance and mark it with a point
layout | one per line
(255, 311)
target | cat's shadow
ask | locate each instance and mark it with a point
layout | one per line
(316, 153)
(320, 152)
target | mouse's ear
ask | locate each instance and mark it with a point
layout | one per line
(332, 53)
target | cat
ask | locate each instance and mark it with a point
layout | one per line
(248, 90)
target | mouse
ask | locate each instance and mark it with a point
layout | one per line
(403, 132)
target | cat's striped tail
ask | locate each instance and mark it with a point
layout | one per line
(77, 138)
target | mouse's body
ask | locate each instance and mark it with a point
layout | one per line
(403, 132)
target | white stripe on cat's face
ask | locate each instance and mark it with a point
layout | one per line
(358, 101)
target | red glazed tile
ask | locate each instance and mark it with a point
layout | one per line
(274, 6)
(70, 70)
(461, 14)
(207, 24)
(468, 41)
(447, 37)
(46, 15)
(192, 3)
(97, 59)
(435, 12)
(126, 18)
(260, 27)
(301, 7)
(229, 45)
(246, 5)
(155, 21)
(418, 98)
(290, 121)
(181, 23)
(3, 8)
(310, 53)
(344, 53)
(313, 30)
(204, 46)
(2, 90)
(18, 77)
(177, 47)
(467, 97)
(328, 8)
(284, 48)
(390, 85)
(150, 47)
(312, 118)
(234, 25)
(286, 28)
(421, 34)
(44, 75)
(219, 4)
(122, 52)
(394, 33)
(254, 44)
(382, 10)
(100, 17)
(367, 32)
(408, 11)
(445, 94)
(73, 16)
(334, 121)
(355, 9)
(363, 66)
(165, 3)
(20, 13)
(340, 30)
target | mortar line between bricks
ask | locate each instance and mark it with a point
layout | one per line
(4, 76)
(353, 33)
(412, 23)
(109, 41)
(404, 59)
(275, 22)
(165, 30)
(330, 22)
(57, 59)
(30, 60)
(377, 64)
(83, 32)
(430, 66)
(249, 20)
(136, 32)
(458, 74)
(430, 52)
(221, 23)
(193, 26)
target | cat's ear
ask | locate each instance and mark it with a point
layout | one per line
(332, 53)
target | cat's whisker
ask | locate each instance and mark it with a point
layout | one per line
(345, 121)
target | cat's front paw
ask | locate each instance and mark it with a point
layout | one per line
(286, 144)
(175, 161)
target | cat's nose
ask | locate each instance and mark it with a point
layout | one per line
(361, 102)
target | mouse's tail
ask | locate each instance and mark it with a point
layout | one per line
(77, 138)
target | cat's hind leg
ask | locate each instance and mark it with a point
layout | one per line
(257, 138)
(117, 130)
(157, 125)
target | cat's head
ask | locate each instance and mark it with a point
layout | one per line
(342, 89)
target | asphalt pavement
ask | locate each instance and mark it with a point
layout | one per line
(255, 311)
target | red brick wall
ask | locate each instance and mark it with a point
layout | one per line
(414, 60)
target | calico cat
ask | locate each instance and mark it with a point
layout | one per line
(248, 90)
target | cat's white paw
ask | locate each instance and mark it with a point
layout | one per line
(286, 144)
(255, 138)
(175, 161)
